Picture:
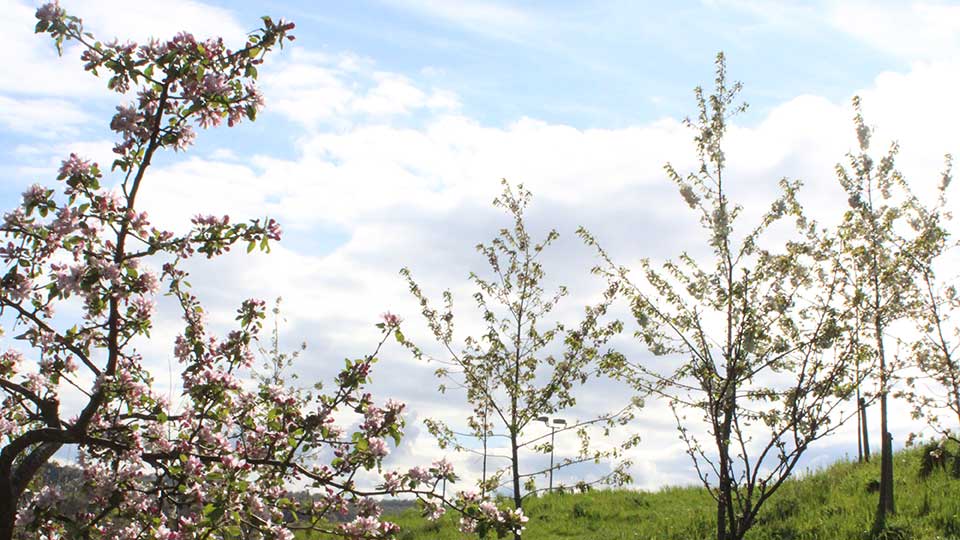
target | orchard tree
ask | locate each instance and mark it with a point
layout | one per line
(82, 269)
(523, 367)
(884, 254)
(753, 327)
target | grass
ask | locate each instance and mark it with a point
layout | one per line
(834, 503)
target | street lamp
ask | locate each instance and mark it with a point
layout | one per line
(552, 424)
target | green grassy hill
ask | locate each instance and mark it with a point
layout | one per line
(832, 504)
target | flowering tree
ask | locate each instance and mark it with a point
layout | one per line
(754, 328)
(218, 464)
(514, 374)
(886, 255)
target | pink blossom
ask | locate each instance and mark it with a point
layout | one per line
(490, 510)
(273, 230)
(10, 360)
(443, 467)
(391, 320)
(378, 447)
(111, 201)
(73, 166)
(143, 307)
(255, 97)
(419, 474)
(514, 516)
(68, 279)
(232, 462)
(47, 497)
(391, 481)
(163, 533)
(66, 222)
(210, 221)
(185, 138)
(182, 39)
(92, 59)
(14, 219)
(361, 527)
(107, 270)
(182, 349)
(394, 406)
(215, 84)
(21, 289)
(467, 525)
(193, 466)
(432, 510)
(128, 122)
(34, 195)
(368, 507)
(149, 283)
(209, 117)
(469, 496)
(373, 419)
(50, 12)
(280, 532)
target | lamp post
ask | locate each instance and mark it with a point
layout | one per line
(552, 423)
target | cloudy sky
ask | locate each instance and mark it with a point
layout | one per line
(390, 123)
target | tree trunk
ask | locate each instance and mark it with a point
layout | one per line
(726, 522)
(722, 503)
(865, 430)
(515, 466)
(887, 466)
(885, 506)
(859, 429)
(483, 478)
(8, 509)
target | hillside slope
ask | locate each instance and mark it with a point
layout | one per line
(835, 503)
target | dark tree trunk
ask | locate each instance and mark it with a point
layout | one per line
(726, 519)
(8, 509)
(886, 463)
(515, 466)
(859, 429)
(885, 506)
(864, 430)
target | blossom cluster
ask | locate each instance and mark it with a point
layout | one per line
(178, 83)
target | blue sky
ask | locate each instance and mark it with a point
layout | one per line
(604, 64)
(389, 124)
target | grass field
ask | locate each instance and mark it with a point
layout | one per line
(832, 504)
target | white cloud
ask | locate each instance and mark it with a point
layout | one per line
(340, 90)
(45, 118)
(140, 21)
(912, 30)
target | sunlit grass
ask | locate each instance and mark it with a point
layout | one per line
(835, 503)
